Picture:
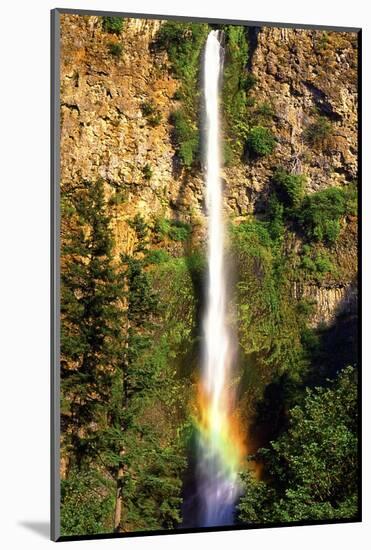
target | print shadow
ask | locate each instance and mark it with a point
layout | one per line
(41, 528)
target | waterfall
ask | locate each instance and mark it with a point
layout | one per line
(219, 447)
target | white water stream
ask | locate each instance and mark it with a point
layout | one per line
(217, 476)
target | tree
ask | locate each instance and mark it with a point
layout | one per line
(311, 469)
(119, 382)
(140, 447)
(91, 311)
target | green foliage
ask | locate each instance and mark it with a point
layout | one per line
(113, 25)
(290, 187)
(157, 256)
(275, 216)
(122, 421)
(175, 230)
(151, 113)
(317, 215)
(260, 141)
(86, 504)
(175, 282)
(147, 171)
(117, 198)
(237, 82)
(316, 263)
(320, 213)
(269, 325)
(322, 40)
(186, 136)
(317, 132)
(91, 293)
(228, 153)
(312, 467)
(178, 96)
(184, 43)
(144, 405)
(115, 49)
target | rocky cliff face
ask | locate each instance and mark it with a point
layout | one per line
(104, 133)
(304, 74)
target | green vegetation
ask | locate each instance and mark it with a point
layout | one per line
(175, 230)
(122, 422)
(260, 141)
(131, 325)
(186, 136)
(269, 325)
(247, 126)
(87, 503)
(320, 213)
(183, 43)
(115, 49)
(317, 264)
(322, 41)
(113, 25)
(91, 313)
(317, 132)
(236, 84)
(151, 113)
(118, 197)
(157, 256)
(311, 469)
(147, 172)
(276, 217)
(289, 187)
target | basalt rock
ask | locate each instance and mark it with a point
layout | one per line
(105, 134)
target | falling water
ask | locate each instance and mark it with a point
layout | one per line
(219, 445)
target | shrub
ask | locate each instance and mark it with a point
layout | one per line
(328, 231)
(307, 464)
(151, 113)
(322, 40)
(186, 137)
(317, 132)
(320, 213)
(113, 25)
(248, 81)
(179, 231)
(147, 108)
(275, 213)
(86, 505)
(147, 172)
(269, 325)
(316, 263)
(175, 230)
(260, 141)
(157, 256)
(290, 187)
(183, 43)
(178, 96)
(115, 49)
